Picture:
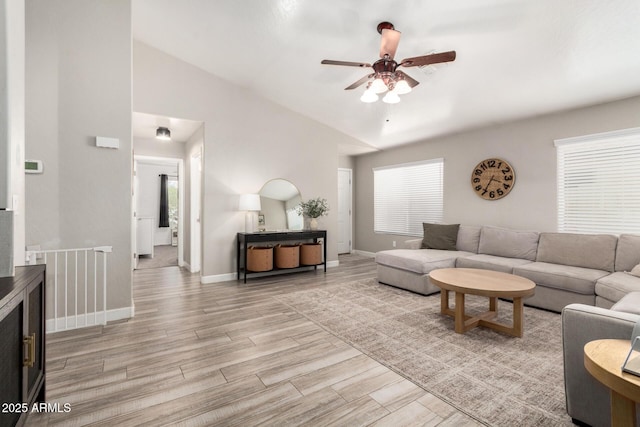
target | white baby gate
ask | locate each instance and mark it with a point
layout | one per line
(75, 298)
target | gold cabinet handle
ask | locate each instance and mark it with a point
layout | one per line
(30, 350)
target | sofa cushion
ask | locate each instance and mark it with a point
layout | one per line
(630, 303)
(569, 278)
(440, 236)
(508, 243)
(468, 238)
(490, 262)
(412, 244)
(615, 286)
(635, 271)
(420, 261)
(627, 252)
(595, 251)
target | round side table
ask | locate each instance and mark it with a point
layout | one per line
(603, 359)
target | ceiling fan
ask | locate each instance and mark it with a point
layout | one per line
(386, 77)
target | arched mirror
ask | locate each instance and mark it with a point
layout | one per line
(278, 201)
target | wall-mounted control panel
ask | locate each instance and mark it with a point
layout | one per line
(33, 166)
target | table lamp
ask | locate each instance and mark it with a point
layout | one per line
(251, 204)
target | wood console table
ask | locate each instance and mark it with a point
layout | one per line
(244, 240)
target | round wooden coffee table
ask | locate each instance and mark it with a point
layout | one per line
(492, 284)
(603, 359)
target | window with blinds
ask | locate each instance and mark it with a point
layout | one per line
(599, 183)
(407, 195)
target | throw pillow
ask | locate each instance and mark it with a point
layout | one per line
(635, 270)
(440, 236)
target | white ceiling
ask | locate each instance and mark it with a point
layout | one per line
(515, 58)
(145, 126)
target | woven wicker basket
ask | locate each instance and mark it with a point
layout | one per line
(287, 256)
(259, 258)
(311, 254)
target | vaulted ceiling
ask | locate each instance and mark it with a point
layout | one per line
(515, 58)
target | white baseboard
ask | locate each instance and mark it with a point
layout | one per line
(86, 320)
(331, 264)
(365, 253)
(217, 278)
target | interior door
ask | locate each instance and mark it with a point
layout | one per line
(344, 211)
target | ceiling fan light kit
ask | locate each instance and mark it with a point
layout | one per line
(386, 77)
(391, 97)
(369, 96)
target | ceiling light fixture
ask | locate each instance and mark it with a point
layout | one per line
(369, 95)
(386, 79)
(391, 97)
(163, 133)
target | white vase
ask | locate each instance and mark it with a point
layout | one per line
(313, 223)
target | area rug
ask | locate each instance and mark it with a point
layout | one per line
(496, 379)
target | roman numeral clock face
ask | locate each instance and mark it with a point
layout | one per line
(492, 179)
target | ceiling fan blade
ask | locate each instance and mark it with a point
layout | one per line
(345, 63)
(389, 42)
(359, 82)
(410, 80)
(434, 58)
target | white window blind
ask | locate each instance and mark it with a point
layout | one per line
(407, 195)
(599, 183)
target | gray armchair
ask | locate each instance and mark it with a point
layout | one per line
(588, 401)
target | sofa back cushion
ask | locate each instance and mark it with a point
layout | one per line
(627, 252)
(595, 251)
(468, 238)
(508, 243)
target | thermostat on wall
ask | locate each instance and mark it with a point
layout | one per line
(33, 166)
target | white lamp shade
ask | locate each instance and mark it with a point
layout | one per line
(369, 96)
(249, 202)
(379, 86)
(402, 87)
(391, 98)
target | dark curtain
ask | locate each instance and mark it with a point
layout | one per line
(164, 201)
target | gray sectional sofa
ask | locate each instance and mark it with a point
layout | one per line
(592, 279)
(567, 268)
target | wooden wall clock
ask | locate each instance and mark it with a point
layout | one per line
(492, 179)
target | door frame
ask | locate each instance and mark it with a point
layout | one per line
(195, 192)
(139, 159)
(350, 207)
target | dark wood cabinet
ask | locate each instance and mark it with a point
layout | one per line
(22, 343)
(244, 240)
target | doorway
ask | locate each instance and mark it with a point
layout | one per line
(344, 210)
(158, 243)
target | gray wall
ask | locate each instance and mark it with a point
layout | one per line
(346, 162)
(154, 148)
(527, 144)
(79, 87)
(248, 141)
(4, 140)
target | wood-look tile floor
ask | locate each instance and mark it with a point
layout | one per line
(228, 354)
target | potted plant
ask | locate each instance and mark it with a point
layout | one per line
(313, 209)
